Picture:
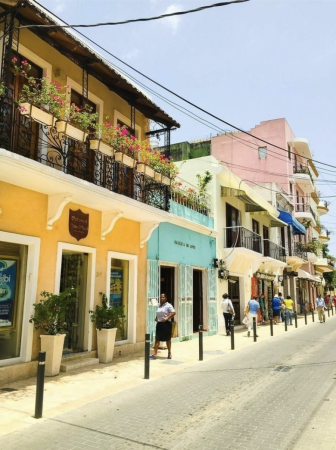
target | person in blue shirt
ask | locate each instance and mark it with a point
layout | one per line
(253, 312)
(276, 305)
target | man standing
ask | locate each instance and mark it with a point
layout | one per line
(253, 307)
(320, 305)
(276, 305)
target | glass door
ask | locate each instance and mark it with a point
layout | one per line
(74, 275)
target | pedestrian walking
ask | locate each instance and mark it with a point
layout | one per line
(320, 305)
(289, 309)
(327, 302)
(164, 315)
(253, 308)
(228, 312)
(282, 307)
(263, 308)
(276, 305)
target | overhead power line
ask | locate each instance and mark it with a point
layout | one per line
(184, 99)
(145, 19)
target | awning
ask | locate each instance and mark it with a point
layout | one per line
(297, 227)
(250, 205)
(307, 276)
(275, 222)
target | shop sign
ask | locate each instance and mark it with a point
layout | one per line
(183, 244)
(7, 291)
(116, 287)
(78, 224)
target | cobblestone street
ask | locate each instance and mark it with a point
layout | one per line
(276, 394)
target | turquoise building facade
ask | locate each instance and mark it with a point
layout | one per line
(180, 264)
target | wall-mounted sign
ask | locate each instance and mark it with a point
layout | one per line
(183, 244)
(116, 287)
(78, 224)
(7, 291)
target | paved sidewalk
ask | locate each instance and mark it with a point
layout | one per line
(69, 391)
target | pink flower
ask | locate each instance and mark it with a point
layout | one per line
(68, 86)
(131, 148)
(124, 132)
(22, 108)
(133, 138)
(14, 59)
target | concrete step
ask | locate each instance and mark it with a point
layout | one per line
(68, 366)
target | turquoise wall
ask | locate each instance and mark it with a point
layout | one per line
(178, 245)
(187, 213)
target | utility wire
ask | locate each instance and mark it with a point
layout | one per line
(185, 100)
(146, 19)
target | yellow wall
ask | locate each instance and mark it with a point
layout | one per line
(25, 212)
(68, 68)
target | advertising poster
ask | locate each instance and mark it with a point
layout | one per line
(116, 287)
(7, 291)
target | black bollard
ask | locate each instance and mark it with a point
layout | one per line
(285, 321)
(232, 335)
(305, 314)
(254, 329)
(328, 312)
(271, 326)
(295, 318)
(313, 317)
(200, 342)
(147, 353)
(40, 385)
(332, 310)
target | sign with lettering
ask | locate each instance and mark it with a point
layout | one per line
(7, 291)
(183, 244)
(78, 224)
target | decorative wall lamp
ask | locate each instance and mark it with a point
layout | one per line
(223, 272)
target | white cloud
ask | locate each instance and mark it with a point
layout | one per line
(172, 22)
(131, 54)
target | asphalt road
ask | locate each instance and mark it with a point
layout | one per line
(278, 394)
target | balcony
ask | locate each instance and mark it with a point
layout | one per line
(187, 202)
(242, 237)
(297, 256)
(324, 236)
(303, 211)
(47, 146)
(274, 251)
(323, 207)
(303, 178)
(324, 265)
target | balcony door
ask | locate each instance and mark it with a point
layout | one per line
(256, 239)
(266, 241)
(25, 130)
(232, 224)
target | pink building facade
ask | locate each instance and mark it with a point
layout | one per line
(288, 165)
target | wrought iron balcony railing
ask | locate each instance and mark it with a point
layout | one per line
(188, 195)
(242, 237)
(274, 251)
(303, 207)
(44, 144)
(303, 170)
(331, 263)
(299, 252)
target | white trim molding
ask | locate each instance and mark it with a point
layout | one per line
(108, 221)
(56, 205)
(33, 256)
(90, 284)
(146, 230)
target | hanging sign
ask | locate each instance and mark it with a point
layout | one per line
(78, 224)
(7, 291)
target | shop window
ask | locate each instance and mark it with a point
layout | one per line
(119, 291)
(13, 266)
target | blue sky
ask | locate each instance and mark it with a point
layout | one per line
(246, 63)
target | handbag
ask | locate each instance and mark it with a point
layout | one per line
(247, 309)
(245, 320)
(229, 309)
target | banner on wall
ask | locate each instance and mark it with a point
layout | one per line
(116, 287)
(7, 291)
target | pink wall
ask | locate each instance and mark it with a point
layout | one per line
(240, 153)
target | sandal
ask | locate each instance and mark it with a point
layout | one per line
(169, 356)
(153, 357)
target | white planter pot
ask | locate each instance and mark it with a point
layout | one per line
(37, 114)
(124, 159)
(70, 130)
(105, 344)
(101, 146)
(53, 346)
(162, 179)
(145, 169)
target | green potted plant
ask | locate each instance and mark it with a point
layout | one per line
(50, 317)
(108, 319)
